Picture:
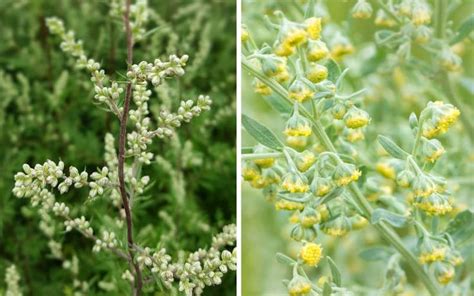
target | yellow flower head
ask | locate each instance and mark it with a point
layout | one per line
(299, 286)
(274, 66)
(250, 171)
(358, 222)
(362, 10)
(421, 14)
(297, 142)
(432, 253)
(263, 162)
(354, 135)
(313, 27)
(317, 50)
(321, 186)
(284, 50)
(405, 178)
(444, 272)
(317, 73)
(338, 110)
(311, 254)
(442, 117)
(356, 118)
(287, 205)
(299, 91)
(309, 217)
(295, 183)
(432, 150)
(382, 19)
(345, 174)
(339, 226)
(434, 205)
(386, 170)
(297, 125)
(423, 186)
(305, 160)
(261, 88)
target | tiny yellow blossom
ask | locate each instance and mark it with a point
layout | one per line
(311, 254)
(261, 88)
(436, 254)
(317, 73)
(313, 27)
(386, 170)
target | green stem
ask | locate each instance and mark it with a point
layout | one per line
(386, 232)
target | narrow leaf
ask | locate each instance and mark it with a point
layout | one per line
(333, 70)
(336, 274)
(279, 104)
(262, 134)
(392, 148)
(393, 219)
(466, 27)
(461, 228)
(282, 258)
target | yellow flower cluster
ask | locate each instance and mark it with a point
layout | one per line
(294, 184)
(298, 131)
(295, 34)
(311, 254)
(288, 205)
(344, 180)
(442, 118)
(436, 254)
(261, 88)
(299, 286)
(386, 170)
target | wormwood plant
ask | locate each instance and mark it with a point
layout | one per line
(317, 173)
(121, 180)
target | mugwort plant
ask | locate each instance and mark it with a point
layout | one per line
(120, 180)
(320, 169)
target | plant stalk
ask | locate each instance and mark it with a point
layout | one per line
(385, 230)
(138, 283)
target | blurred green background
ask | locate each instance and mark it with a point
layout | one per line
(266, 231)
(47, 112)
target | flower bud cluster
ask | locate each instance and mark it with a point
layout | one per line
(441, 255)
(201, 268)
(103, 92)
(108, 241)
(12, 279)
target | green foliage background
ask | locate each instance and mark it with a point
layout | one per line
(47, 112)
(389, 104)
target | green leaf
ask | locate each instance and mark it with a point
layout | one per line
(282, 258)
(466, 27)
(393, 219)
(327, 290)
(333, 70)
(262, 134)
(336, 274)
(279, 104)
(392, 148)
(461, 228)
(376, 253)
(331, 195)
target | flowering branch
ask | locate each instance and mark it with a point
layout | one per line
(121, 155)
